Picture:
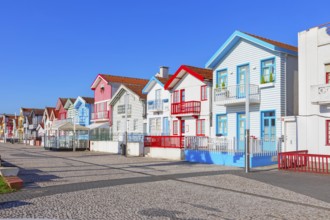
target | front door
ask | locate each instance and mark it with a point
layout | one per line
(240, 131)
(241, 77)
(268, 130)
(165, 126)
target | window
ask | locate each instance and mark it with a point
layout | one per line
(327, 73)
(155, 126)
(135, 124)
(267, 71)
(327, 135)
(221, 125)
(182, 95)
(176, 97)
(203, 93)
(183, 126)
(175, 127)
(118, 126)
(200, 127)
(222, 79)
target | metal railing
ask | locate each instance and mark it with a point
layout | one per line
(164, 141)
(301, 161)
(101, 115)
(155, 105)
(236, 92)
(190, 107)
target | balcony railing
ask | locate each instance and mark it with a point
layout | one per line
(190, 107)
(236, 95)
(164, 141)
(101, 115)
(155, 105)
(320, 94)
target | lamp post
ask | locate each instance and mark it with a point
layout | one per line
(126, 127)
(247, 121)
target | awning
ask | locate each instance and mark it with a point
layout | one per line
(99, 125)
(70, 127)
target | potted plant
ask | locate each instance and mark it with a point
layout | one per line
(263, 79)
(223, 85)
(271, 78)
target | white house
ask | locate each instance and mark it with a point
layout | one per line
(136, 109)
(271, 70)
(47, 121)
(158, 104)
(313, 121)
(191, 101)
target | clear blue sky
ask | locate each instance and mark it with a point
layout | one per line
(55, 48)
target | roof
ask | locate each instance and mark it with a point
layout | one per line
(137, 89)
(200, 73)
(261, 41)
(88, 100)
(63, 100)
(118, 79)
(276, 43)
(49, 110)
(153, 81)
(38, 111)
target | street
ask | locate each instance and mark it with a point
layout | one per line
(90, 185)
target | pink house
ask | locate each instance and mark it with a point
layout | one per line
(104, 86)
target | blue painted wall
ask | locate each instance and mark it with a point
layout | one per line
(229, 159)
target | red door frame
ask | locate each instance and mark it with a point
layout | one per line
(327, 78)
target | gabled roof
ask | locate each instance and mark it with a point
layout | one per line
(200, 73)
(117, 79)
(49, 110)
(137, 89)
(38, 111)
(89, 100)
(153, 81)
(69, 101)
(261, 41)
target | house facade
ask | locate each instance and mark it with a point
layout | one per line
(131, 95)
(35, 119)
(104, 87)
(313, 121)
(270, 69)
(158, 104)
(47, 120)
(84, 107)
(191, 101)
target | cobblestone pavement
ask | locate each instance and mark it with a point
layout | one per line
(87, 185)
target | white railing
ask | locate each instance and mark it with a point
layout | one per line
(229, 145)
(236, 92)
(101, 115)
(320, 94)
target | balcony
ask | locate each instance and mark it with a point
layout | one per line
(155, 105)
(101, 115)
(320, 94)
(186, 108)
(235, 95)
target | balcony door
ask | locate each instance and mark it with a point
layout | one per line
(241, 78)
(158, 98)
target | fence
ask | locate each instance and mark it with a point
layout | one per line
(164, 141)
(229, 145)
(301, 161)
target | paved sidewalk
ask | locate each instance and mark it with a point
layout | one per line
(87, 185)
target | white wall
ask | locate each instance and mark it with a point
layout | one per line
(136, 113)
(192, 88)
(314, 53)
(105, 146)
(151, 96)
(164, 153)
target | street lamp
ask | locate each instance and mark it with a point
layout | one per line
(247, 121)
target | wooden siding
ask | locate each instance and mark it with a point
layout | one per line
(272, 98)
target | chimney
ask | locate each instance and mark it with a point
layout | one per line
(163, 72)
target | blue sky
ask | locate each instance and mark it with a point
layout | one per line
(55, 48)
